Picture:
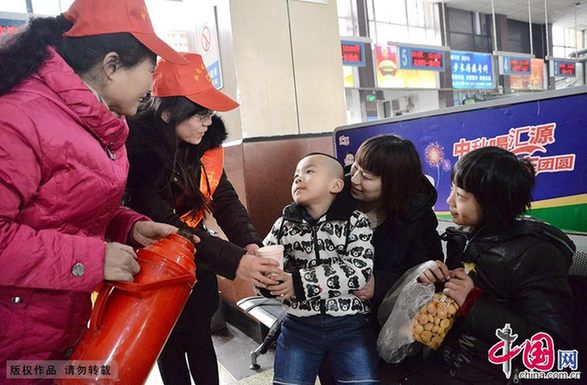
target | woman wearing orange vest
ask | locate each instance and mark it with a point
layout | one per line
(176, 173)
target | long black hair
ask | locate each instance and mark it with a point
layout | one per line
(501, 183)
(397, 162)
(22, 54)
(182, 159)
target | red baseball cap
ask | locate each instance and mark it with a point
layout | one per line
(98, 17)
(191, 81)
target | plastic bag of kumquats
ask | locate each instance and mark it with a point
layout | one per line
(398, 311)
(434, 320)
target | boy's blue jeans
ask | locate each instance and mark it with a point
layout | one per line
(348, 343)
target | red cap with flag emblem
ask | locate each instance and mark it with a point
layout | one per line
(191, 81)
(98, 17)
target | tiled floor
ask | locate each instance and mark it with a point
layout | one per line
(232, 349)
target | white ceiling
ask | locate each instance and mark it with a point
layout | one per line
(561, 12)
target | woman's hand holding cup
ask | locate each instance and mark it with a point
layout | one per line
(258, 270)
(274, 252)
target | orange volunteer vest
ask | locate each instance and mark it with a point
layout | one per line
(211, 172)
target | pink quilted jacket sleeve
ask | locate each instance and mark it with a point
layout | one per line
(120, 226)
(30, 256)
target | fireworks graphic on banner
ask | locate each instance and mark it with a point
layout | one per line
(434, 155)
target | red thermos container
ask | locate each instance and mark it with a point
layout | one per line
(131, 321)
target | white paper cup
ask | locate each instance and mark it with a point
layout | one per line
(274, 252)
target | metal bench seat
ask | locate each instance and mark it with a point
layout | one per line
(269, 312)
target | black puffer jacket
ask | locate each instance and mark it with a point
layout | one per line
(406, 241)
(149, 192)
(522, 270)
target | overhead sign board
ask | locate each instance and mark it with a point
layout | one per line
(511, 65)
(389, 75)
(353, 53)
(471, 70)
(421, 58)
(533, 81)
(565, 68)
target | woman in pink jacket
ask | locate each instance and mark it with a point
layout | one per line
(66, 84)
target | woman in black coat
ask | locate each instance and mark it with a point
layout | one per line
(176, 175)
(387, 183)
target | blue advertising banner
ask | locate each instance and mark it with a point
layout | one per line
(549, 131)
(471, 70)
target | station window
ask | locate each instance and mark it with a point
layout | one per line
(347, 18)
(48, 7)
(469, 31)
(13, 6)
(404, 21)
(518, 38)
(564, 41)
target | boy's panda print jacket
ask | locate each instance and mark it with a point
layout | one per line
(329, 259)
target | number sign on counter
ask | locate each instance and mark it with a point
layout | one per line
(421, 59)
(353, 53)
(564, 68)
(515, 65)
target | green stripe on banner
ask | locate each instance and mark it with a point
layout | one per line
(568, 218)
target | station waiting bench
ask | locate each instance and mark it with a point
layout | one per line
(269, 312)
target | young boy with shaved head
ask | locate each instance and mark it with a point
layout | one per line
(328, 257)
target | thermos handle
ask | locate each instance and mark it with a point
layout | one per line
(132, 287)
(136, 288)
(98, 311)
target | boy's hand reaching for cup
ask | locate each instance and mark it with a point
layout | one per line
(439, 273)
(459, 285)
(285, 288)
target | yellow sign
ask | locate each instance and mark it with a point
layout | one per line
(390, 76)
(349, 79)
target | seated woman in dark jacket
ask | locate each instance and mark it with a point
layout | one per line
(387, 183)
(176, 174)
(519, 285)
